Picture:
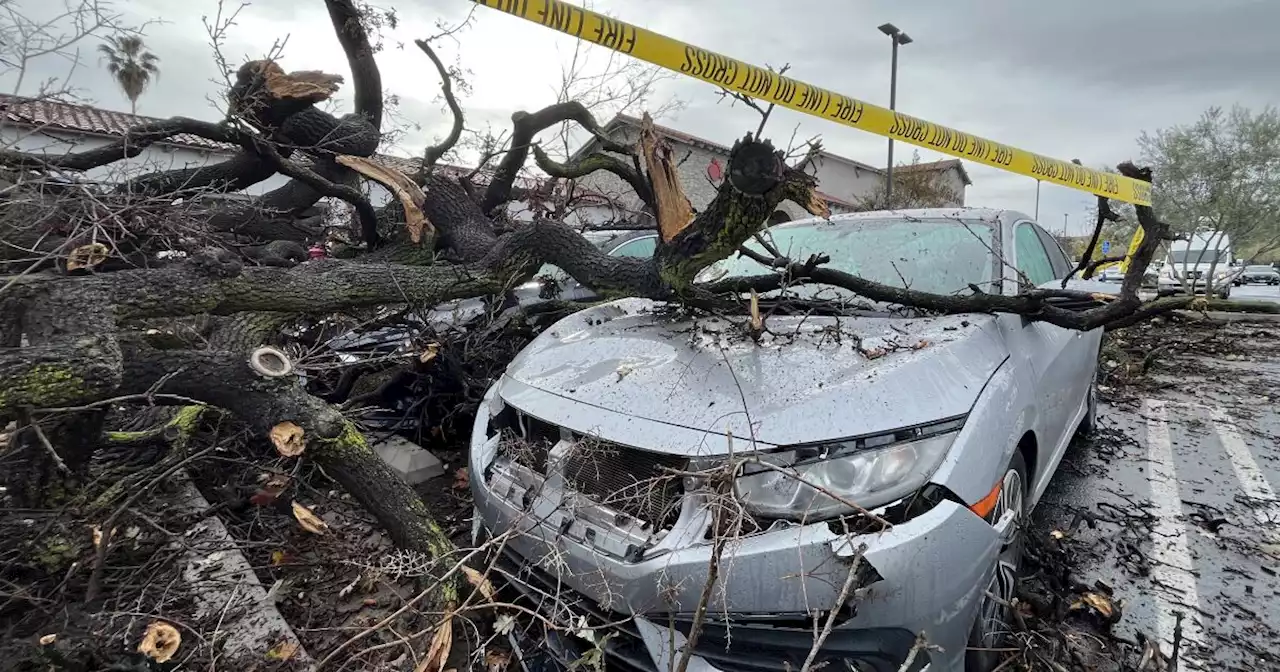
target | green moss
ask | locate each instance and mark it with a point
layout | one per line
(187, 417)
(348, 440)
(184, 422)
(43, 386)
(54, 553)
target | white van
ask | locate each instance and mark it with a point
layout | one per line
(1200, 264)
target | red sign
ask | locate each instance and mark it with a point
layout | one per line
(714, 171)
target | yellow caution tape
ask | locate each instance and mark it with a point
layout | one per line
(763, 84)
(1133, 248)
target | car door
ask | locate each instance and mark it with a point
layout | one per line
(1062, 360)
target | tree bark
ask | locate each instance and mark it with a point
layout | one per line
(224, 379)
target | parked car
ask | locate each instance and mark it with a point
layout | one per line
(592, 443)
(1261, 274)
(1111, 273)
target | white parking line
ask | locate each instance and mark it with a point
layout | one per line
(1252, 481)
(1173, 566)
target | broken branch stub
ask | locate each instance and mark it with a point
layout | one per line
(409, 193)
(288, 438)
(311, 86)
(673, 209)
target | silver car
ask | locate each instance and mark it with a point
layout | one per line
(599, 460)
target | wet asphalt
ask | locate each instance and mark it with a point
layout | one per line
(1256, 293)
(1180, 486)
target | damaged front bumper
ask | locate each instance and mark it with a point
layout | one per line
(631, 586)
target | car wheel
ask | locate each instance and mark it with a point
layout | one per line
(1225, 294)
(1090, 420)
(990, 629)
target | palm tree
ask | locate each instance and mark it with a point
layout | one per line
(131, 65)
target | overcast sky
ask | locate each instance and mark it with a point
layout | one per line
(1070, 80)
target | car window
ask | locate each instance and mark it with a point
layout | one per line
(933, 255)
(553, 272)
(639, 247)
(1259, 269)
(1032, 260)
(1057, 258)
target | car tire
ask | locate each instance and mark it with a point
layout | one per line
(989, 630)
(1089, 422)
(1225, 294)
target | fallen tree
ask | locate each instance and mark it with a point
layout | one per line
(78, 325)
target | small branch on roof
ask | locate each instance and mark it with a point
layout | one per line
(405, 189)
(434, 152)
(592, 163)
(671, 206)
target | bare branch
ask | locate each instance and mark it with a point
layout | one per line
(592, 163)
(366, 79)
(526, 126)
(1105, 214)
(433, 153)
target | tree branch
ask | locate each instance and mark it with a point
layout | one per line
(592, 163)
(526, 126)
(134, 141)
(223, 379)
(1105, 214)
(433, 153)
(366, 80)
(758, 180)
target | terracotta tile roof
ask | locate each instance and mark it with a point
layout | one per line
(86, 119)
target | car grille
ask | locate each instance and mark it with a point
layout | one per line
(635, 482)
(546, 594)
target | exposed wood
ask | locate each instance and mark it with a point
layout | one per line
(405, 189)
(672, 207)
(311, 86)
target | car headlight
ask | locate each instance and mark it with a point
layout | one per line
(869, 471)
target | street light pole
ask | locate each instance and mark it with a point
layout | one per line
(898, 37)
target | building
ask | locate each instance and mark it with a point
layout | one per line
(844, 183)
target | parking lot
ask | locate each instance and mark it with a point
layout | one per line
(1256, 293)
(1174, 502)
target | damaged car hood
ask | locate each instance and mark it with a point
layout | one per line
(807, 379)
